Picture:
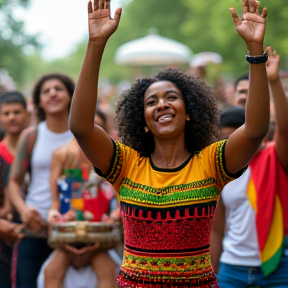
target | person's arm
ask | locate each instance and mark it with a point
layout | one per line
(9, 232)
(281, 107)
(93, 140)
(56, 169)
(7, 209)
(29, 215)
(217, 235)
(244, 142)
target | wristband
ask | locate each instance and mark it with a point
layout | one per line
(257, 59)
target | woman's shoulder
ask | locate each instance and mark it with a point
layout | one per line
(215, 147)
(127, 153)
(60, 151)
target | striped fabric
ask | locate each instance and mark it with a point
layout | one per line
(267, 192)
(167, 215)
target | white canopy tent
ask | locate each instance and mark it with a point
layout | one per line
(153, 50)
(204, 58)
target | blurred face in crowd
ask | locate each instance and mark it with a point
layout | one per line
(13, 117)
(54, 97)
(241, 93)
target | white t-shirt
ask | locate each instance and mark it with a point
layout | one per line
(39, 193)
(240, 243)
(74, 278)
(78, 278)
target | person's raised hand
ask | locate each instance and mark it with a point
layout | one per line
(101, 26)
(251, 27)
(272, 66)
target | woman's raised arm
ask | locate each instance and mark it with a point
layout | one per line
(281, 107)
(244, 142)
(93, 140)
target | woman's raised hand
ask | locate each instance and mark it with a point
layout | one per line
(272, 66)
(101, 26)
(251, 27)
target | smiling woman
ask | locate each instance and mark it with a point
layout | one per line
(167, 168)
(170, 88)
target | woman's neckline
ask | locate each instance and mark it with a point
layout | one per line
(176, 169)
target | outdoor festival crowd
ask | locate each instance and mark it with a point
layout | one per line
(200, 193)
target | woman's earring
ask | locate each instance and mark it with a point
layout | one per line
(146, 129)
(187, 117)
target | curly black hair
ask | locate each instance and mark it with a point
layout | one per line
(200, 103)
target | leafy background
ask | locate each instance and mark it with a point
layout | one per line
(204, 25)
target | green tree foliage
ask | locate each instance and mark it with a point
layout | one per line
(212, 29)
(202, 25)
(13, 40)
(138, 17)
(167, 16)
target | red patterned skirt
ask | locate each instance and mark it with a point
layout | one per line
(128, 281)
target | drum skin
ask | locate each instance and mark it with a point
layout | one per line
(83, 233)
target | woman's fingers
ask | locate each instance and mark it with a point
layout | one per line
(257, 7)
(253, 6)
(235, 17)
(96, 5)
(269, 50)
(107, 4)
(117, 15)
(245, 6)
(264, 12)
(90, 7)
(101, 4)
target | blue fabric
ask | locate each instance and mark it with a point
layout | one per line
(5, 265)
(232, 276)
(31, 255)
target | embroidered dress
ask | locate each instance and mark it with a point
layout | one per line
(167, 216)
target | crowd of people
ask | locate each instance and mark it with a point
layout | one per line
(201, 193)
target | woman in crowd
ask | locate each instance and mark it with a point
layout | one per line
(168, 170)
